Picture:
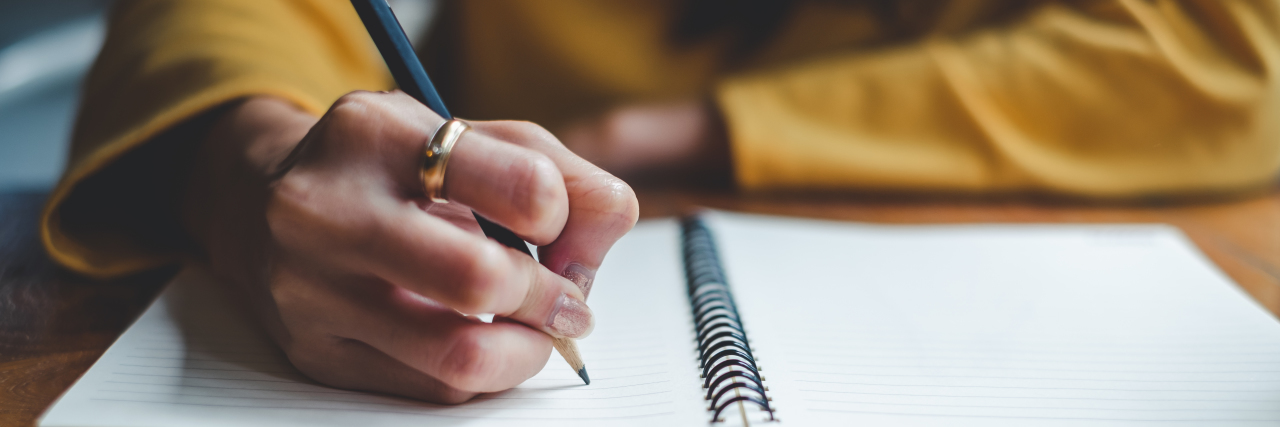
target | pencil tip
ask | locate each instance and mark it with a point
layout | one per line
(583, 374)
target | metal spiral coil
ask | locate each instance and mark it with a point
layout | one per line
(729, 371)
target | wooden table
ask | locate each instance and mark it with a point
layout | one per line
(54, 324)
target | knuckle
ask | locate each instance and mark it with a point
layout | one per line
(285, 293)
(367, 234)
(355, 101)
(467, 362)
(529, 134)
(538, 133)
(296, 301)
(482, 275)
(295, 214)
(523, 127)
(351, 105)
(304, 214)
(312, 360)
(285, 202)
(355, 109)
(539, 191)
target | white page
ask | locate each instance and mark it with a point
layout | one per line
(997, 325)
(193, 360)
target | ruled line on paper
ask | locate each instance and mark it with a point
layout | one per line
(1006, 368)
(620, 336)
(1273, 411)
(483, 398)
(917, 414)
(601, 378)
(201, 359)
(184, 349)
(916, 345)
(296, 373)
(330, 391)
(1188, 340)
(369, 400)
(1273, 381)
(204, 378)
(1034, 388)
(1034, 397)
(297, 381)
(425, 414)
(212, 369)
(336, 391)
(294, 399)
(1026, 360)
(632, 357)
(600, 388)
(283, 362)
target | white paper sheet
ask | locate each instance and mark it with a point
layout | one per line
(998, 325)
(192, 359)
(852, 324)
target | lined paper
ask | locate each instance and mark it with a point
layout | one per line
(992, 325)
(998, 325)
(193, 359)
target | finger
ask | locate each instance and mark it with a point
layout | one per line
(518, 188)
(471, 274)
(369, 228)
(311, 312)
(464, 353)
(354, 365)
(602, 208)
(461, 352)
(514, 186)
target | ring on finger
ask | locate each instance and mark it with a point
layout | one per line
(435, 158)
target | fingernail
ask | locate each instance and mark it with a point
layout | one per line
(571, 318)
(580, 276)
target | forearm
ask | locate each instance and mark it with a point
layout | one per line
(1135, 103)
(167, 65)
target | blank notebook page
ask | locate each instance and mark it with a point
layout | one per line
(997, 325)
(193, 360)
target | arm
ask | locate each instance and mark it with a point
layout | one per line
(361, 280)
(163, 65)
(1114, 98)
(358, 278)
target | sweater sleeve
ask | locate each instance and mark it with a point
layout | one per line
(163, 64)
(1108, 98)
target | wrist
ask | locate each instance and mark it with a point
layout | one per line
(234, 165)
(257, 135)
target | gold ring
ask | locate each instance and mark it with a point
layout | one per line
(435, 158)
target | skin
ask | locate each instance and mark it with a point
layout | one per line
(322, 226)
(681, 142)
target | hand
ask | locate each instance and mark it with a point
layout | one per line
(361, 280)
(681, 141)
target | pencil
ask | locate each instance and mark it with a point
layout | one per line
(403, 62)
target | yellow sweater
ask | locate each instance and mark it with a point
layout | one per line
(1100, 98)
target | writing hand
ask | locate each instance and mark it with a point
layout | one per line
(361, 280)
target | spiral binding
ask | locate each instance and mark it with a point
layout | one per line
(729, 370)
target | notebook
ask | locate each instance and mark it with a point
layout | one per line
(732, 319)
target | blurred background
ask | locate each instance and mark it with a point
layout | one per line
(46, 47)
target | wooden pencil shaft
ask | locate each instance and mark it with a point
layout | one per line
(569, 349)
